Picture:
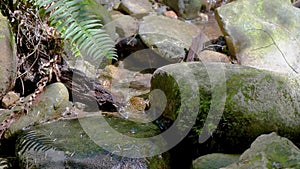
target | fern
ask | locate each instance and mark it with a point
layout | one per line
(4, 164)
(82, 28)
(32, 140)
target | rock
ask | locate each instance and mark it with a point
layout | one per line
(71, 143)
(167, 36)
(135, 6)
(134, 110)
(212, 56)
(215, 161)
(8, 64)
(48, 106)
(171, 14)
(145, 60)
(269, 151)
(124, 25)
(124, 83)
(9, 99)
(211, 27)
(4, 114)
(262, 34)
(187, 9)
(297, 4)
(86, 67)
(229, 105)
(100, 11)
(109, 4)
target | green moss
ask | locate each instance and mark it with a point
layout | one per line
(134, 129)
(259, 7)
(73, 137)
(160, 162)
(215, 161)
(257, 101)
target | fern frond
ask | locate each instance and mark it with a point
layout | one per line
(31, 140)
(81, 27)
(4, 164)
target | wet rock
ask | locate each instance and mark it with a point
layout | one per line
(215, 161)
(48, 106)
(262, 34)
(227, 105)
(77, 143)
(135, 110)
(269, 151)
(9, 99)
(135, 6)
(187, 9)
(167, 36)
(212, 56)
(8, 64)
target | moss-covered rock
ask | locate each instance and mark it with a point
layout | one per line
(233, 104)
(215, 161)
(269, 151)
(8, 63)
(69, 144)
(263, 34)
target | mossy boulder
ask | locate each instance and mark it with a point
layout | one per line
(68, 144)
(215, 161)
(8, 64)
(229, 105)
(269, 151)
(263, 34)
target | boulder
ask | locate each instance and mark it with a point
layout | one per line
(215, 161)
(8, 64)
(226, 106)
(262, 34)
(70, 143)
(48, 106)
(167, 36)
(269, 151)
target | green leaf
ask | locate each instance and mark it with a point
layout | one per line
(80, 27)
